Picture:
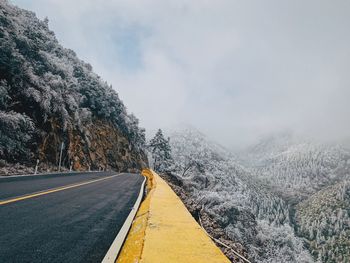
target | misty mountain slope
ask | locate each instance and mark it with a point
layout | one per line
(298, 168)
(197, 147)
(313, 178)
(49, 96)
(268, 147)
(324, 220)
(249, 213)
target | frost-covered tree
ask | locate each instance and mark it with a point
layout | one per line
(298, 167)
(161, 152)
(47, 88)
(4, 97)
(16, 134)
(324, 221)
(248, 212)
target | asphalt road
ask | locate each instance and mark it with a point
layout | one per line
(73, 225)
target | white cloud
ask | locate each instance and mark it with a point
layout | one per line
(235, 69)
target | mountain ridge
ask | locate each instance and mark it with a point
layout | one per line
(249, 213)
(265, 203)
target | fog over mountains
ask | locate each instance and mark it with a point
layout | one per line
(285, 199)
(237, 70)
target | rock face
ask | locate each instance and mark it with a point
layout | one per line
(101, 146)
(49, 97)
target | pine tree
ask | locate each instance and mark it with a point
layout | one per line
(161, 152)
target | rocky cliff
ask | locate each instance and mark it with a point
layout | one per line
(48, 97)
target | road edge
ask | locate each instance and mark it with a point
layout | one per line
(117, 244)
(164, 230)
(133, 245)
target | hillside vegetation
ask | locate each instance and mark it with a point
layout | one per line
(49, 96)
(313, 178)
(324, 220)
(249, 212)
(300, 168)
(285, 199)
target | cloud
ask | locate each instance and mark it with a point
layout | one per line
(234, 69)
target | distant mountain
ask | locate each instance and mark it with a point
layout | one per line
(247, 210)
(49, 96)
(267, 147)
(297, 167)
(313, 178)
(286, 199)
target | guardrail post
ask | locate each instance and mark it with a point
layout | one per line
(59, 164)
(36, 166)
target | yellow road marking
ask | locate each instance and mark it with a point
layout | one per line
(168, 232)
(49, 191)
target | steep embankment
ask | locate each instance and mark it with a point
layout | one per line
(49, 96)
(247, 211)
(324, 220)
(292, 195)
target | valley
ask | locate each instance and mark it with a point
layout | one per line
(275, 198)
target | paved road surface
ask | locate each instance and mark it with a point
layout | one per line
(77, 224)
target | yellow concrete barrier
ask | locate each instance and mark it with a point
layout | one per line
(164, 231)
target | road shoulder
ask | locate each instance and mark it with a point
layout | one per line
(164, 231)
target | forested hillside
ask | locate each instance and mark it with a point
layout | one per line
(313, 178)
(298, 168)
(49, 96)
(324, 220)
(285, 199)
(248, 212)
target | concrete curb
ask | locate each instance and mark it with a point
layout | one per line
(114, 249)
(164, 231)
(133, 245)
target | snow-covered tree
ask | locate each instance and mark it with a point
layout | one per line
(47, 91)
(161, 152)
(227, 191)
(14, 145)
(4, 97)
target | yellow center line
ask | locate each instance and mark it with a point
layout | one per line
(53, 190)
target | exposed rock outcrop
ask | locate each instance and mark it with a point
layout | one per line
(48, 97)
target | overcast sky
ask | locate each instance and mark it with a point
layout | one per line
(236, 70)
